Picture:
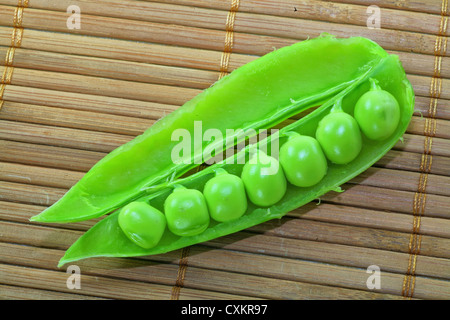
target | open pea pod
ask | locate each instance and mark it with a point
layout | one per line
(258, 95)
(107, 239)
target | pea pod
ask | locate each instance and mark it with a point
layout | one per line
(258, 95)
(107, 239)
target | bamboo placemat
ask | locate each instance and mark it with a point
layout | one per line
(69, 96)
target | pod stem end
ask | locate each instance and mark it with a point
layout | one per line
(374, 84)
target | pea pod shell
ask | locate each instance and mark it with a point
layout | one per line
(258, 95)
(105, 238)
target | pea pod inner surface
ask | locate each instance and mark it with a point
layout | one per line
(106, 238)
(258, 95)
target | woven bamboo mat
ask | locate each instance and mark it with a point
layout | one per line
(69, 96)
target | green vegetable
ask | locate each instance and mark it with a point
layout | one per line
(107, 239)
(186, 212)
(303, 161)
(377, 113)
(258, 95)
(338, 134)
(142, 224)
(145, 190)
(264, 180)
(225, 196)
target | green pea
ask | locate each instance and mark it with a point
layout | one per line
(339, 136)
(377, 113)
(142, 224)
(186, 212)
(264, 180)
(302, 160)
(225, 196)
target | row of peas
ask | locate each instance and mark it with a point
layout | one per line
(303, 160)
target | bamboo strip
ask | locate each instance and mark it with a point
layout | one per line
(185, 11)
(401, 160)
(102, 86)
(247, 31)
(24, 193)
(422, 88)
(16, 40)
(100, 286)
(115, 69)
(20, 212)
(287, 27)
(419, 64)
(370, 218)
(75, 119)
(420, 197)
(337, 13)
(338, 254)
(47, 237)
(276, 289)
(123, 50)
(431, 6)
(48, 156)
(311, 272)
(61, 137)
(137, 30)
(252, 263)
(279, 7)
(415, 143)
(19, 293)
(171, 55)
(243, 284)
(265, 6)
(86, 102)
(357, 236)
(418, 124)
(404, 180)
(40, 176)
(388, 199)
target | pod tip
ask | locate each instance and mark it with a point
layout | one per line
(34, 218)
